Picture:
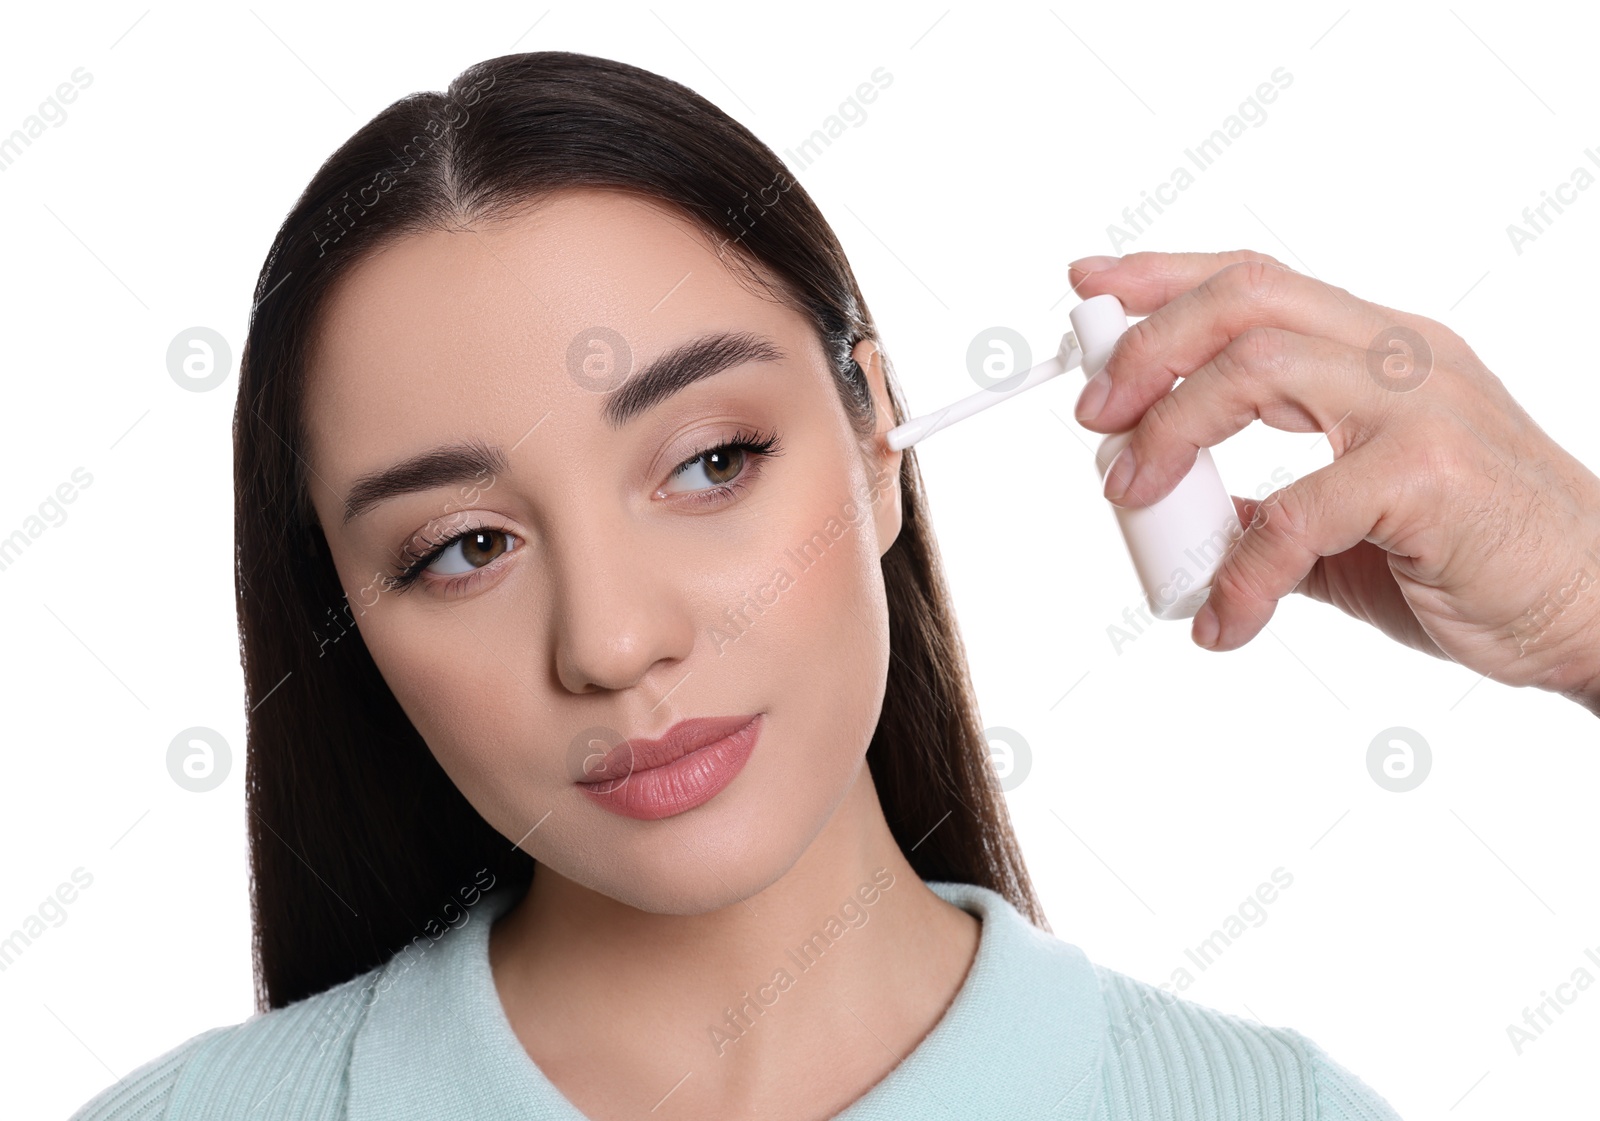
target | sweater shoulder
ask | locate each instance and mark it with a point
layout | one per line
(1166, 1056)
(291, 1062)
(142, 1094)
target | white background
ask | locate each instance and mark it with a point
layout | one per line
(1164, 787)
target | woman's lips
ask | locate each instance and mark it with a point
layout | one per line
(652, 779)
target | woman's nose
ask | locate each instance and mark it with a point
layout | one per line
(618, 612)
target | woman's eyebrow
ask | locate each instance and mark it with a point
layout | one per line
(684, 365)
(669, 373)
(446, 464)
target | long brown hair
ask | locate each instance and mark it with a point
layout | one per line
(358, 838)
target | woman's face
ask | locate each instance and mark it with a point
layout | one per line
(609, 583)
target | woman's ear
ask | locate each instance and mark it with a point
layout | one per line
(882, 463)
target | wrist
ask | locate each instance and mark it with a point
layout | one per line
(1580, 676)
(1578, 679)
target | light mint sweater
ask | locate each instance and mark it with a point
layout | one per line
(1035, 1031)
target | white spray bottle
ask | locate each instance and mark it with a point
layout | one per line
(1177, 543)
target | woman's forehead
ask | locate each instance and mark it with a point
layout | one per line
(576, 259)
(515, 294)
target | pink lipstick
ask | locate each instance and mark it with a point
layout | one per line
(650, 779)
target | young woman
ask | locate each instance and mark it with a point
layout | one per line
(612, 751)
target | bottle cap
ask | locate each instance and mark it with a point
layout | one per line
(1098, 322)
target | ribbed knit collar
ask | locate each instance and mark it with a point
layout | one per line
(1022, 1037)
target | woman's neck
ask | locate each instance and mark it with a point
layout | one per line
(790, 1003)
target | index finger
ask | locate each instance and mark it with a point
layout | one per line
(1197, 325)
(1145, 280)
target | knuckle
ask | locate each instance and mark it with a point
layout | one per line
(1160, 417)
(1281, 517)
(1435, 434)
(1233, 361)
(1258, 281)
(1261, 351)
(1137, 345)
(1252, 255)
(1229, 584)
(1434, 333)
(1241, 578)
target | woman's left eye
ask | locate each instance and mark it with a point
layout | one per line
(470, 551)
(729, 466)
(455, 561)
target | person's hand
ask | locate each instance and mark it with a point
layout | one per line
(1448, 519)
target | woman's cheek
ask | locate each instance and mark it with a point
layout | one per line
(822, 610)
(461, 699)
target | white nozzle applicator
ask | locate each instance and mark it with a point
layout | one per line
(1068, 357)
(1176, 543)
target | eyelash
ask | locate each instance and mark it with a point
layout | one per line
(760, 446)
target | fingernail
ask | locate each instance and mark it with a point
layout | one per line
(1083, 266)
(1120, 475)
(1093, 397)
(1206, 627)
